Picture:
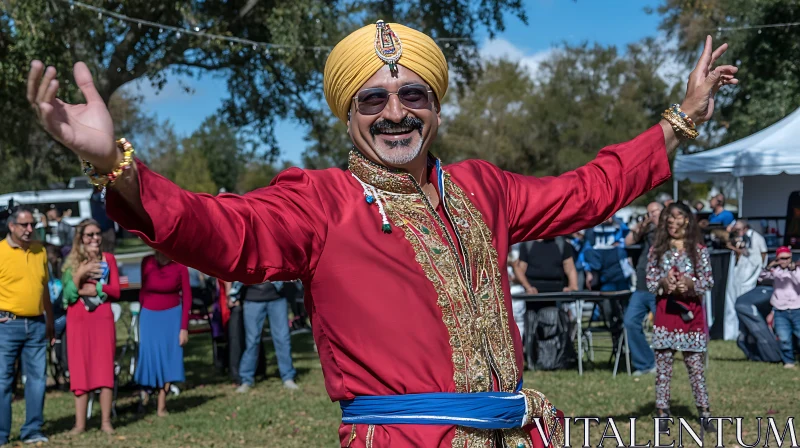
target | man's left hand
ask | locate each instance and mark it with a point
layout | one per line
(705, 81)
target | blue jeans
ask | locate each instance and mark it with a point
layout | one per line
(786, 323)
(640, 304)
(254, 315)
(23, 337)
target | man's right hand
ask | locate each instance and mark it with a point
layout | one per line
(531, 290)
(86, 129)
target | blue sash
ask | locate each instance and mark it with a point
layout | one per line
(483, 410)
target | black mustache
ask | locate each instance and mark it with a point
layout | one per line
(386, 126)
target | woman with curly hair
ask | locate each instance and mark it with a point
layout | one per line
(91, 281)
(679, 274)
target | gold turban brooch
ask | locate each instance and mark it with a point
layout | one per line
(365, 51)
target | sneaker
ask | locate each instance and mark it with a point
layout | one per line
(644, 372)
(789, 366)
(290, 384)
(243, 389)
(38, 438)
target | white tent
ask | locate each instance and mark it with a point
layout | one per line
(766, 166)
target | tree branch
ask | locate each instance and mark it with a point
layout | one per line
(247, 8)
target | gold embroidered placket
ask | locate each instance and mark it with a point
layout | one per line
(474, 314)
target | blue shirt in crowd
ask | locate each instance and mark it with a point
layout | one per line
(724, 217)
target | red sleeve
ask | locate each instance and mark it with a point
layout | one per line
(186, 289)
(273, 233)
(112, 288)
(540, 208)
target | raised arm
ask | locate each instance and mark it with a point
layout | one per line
(269, 234)
(541, 208)
(548, 207)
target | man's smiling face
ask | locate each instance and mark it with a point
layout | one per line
(397, 134)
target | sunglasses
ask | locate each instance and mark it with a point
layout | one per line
(784, 259)
(412, 96)
(91, 235)
(26, 224)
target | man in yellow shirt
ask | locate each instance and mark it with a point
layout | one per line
(26, 323)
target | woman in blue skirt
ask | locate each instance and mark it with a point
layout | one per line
(166, 298)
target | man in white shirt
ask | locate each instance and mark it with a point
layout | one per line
(748, 258)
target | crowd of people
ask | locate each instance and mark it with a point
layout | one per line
(47, 298)
(671, 277)
(668, 281)
(403, 257)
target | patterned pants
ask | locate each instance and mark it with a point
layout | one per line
(695, 365)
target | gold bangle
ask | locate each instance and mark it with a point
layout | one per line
(105, 180)
(679, 125)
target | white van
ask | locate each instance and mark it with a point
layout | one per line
(75, 199)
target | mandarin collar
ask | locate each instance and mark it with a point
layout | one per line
(384, 178)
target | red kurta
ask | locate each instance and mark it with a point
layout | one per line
(397, 313)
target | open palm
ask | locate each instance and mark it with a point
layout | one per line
(86, 129)
(705, 81)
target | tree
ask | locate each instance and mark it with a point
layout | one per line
(258, 174)
(584, 97)
(193, 174)
(222, 148)
(264, 83)
(769, 87)
(44, 164)
(329, 146)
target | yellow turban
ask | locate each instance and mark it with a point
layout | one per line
(353, 61)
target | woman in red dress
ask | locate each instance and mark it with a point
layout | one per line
(91, 281)
(679, 274)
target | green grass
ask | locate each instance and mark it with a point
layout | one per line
(209, 413)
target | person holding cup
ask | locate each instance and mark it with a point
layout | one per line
(91, 281)
(679, 274)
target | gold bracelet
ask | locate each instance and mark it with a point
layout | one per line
(105, 180)
(679, 125)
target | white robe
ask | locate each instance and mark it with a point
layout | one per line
(742, 278)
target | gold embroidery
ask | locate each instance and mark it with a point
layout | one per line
(370, 435)
(469, 294)
(538, 406)
(352, 435)
(381, 177)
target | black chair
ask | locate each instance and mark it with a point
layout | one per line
(612, 312)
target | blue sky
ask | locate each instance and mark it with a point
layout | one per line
(550, 22)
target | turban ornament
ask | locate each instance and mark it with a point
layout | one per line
(357, 57)
(387, 45)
